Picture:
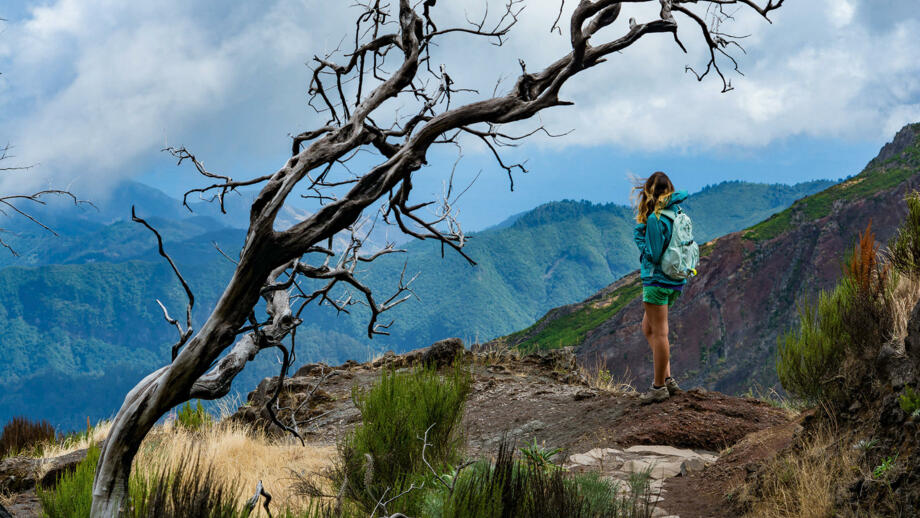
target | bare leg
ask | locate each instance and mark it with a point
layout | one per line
(655, 327)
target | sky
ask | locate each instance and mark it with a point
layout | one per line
(92, 90)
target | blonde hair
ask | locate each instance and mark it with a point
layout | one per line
(651, 195)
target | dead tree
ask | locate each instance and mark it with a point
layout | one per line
(388, 60)
(18, 204)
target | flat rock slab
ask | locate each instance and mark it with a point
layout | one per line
(661, 462)
(672, 452)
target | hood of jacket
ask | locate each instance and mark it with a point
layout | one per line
(677, 197)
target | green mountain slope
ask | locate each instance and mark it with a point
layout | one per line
(91, 326)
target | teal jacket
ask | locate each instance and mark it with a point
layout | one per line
(652, 239)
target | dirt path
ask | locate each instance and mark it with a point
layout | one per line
(705, 494)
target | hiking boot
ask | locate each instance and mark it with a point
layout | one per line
(654, 395)
(673, 387)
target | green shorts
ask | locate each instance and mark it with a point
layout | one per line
(659, 296)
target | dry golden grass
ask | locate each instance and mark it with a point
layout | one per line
(238, 454)
(599, 377)
(6, 498)
(802, 483)
(97, 434)
(241, 456)
(905, 295)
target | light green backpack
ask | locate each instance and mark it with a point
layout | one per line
(682, 255)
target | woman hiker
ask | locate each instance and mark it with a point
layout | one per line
(659, 291)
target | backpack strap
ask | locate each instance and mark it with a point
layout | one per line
(670, 213)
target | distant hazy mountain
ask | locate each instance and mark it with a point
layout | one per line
(79, 324)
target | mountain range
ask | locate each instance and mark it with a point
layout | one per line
(80, 325)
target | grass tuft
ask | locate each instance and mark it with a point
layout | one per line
(21, 435)
(382, 456)
(193, 418)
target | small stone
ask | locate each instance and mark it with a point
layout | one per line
(582, 459)
(691, 466)
(442, 353)
(581, 395)
(663, 470)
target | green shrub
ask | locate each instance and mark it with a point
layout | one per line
(904, 247)
(910, 401)
(72, 495)
(193, 418)
(383, 454)
(22, 434)
(882, 470)
(508, 487)
(810, 355)
(829, 357)
(539, 455)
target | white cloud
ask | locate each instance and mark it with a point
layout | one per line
(93, 86)
(841, 12)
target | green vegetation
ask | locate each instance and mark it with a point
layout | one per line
(748, 203)
(72, 496)
(878, 176)
(508, 487)
(881, 471)
(822, 360)
(572, 328)
(910, 401)
(539, 456)
(193, 418)
(22, 435)
(904, 247)
(402, 415)
(404, 456)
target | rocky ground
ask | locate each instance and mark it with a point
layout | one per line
(543, 397)
(695, 444)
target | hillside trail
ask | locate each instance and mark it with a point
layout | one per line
(696, 445)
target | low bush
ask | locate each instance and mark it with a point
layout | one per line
(382, 457)
(810, 355)
(72, 495)
(22, 434)
(509, 487)
(830, 356)
(910, 401)
(904, 247)
(193, 417)
(539, 455)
